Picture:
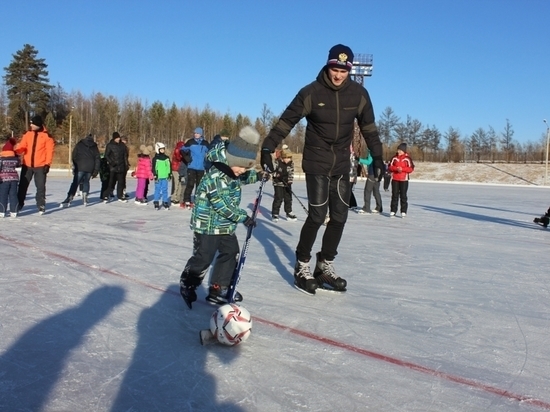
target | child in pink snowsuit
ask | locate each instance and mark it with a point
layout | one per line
(143, 172)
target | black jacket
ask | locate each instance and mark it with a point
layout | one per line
(117, 156)
(86, 155)
(330, 112)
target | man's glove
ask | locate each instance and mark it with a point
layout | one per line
(266, 160)
(379, 167)
(94, 174)
(249, 222)
(46, 169)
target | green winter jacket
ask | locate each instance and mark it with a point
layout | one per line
(217, 199)
(161, 166)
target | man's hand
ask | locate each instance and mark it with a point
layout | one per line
(379, 167)
(266, 160)
(46, 169)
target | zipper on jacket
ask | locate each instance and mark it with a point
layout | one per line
(33, 151)
(337, 132)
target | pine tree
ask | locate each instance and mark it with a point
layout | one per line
(27, 87)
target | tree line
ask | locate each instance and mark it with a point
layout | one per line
(26, 91)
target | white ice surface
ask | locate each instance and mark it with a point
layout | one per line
(447, 310)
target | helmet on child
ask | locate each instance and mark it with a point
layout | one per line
(159, 146)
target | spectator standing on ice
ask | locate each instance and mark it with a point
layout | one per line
(116, 156)
(196, 149)
(163, 174)
(143, 173)
(9, 179)
(36, 147)
(177, 158)
(401, 165)
(331, 105)
(372, 187)
(86, 161)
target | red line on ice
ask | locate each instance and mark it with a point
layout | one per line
(327, 341)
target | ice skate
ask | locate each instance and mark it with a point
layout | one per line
(303, 280)
(188, 293)
(218, 295)
(326, 276)
(67, 201)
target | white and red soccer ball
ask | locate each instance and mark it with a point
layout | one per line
(231, 324)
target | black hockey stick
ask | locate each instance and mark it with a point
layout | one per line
(297, 198)
(238, 269)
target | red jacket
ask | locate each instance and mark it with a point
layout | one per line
(400, 166)
(176, 157)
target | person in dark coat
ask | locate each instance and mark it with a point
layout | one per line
(116, 155)
(86, 161)
(331, 105)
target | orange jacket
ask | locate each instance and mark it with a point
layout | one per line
(36, 148)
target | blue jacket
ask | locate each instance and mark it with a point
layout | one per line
(196, 149)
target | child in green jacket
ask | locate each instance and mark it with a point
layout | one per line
(216, 214)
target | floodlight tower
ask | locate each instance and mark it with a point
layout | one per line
(362, 66)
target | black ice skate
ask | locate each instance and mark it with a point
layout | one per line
(543, 221)
(156, 204)
(188, 293)
(326, 276)
(67, 201)
(218, 295)
(303, 281)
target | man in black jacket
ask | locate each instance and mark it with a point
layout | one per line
(86, 160)
(330, 104)
(116, 155)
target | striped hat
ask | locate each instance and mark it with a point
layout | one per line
(340, 57)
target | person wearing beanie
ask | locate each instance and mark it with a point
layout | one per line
(283, 177)
(9, 179)
(194, 150)
(86, 163)
(36, 147)
(217, 213)
(400, 166)
(116, 155)
(331, 104)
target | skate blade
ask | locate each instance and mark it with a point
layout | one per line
(330, 290)
(304, 291)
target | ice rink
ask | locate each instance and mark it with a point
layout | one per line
(446, 310)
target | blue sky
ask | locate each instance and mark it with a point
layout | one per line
(465, 64)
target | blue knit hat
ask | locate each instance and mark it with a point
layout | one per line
(198, 130)
(243, 149)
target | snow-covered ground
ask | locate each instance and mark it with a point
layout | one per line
(447, 310)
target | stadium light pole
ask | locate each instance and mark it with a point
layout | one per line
(547, 142)
(70, 139)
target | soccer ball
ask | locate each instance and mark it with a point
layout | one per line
(231, 324)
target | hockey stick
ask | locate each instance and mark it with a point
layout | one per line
(297, 198)
(238, 269)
